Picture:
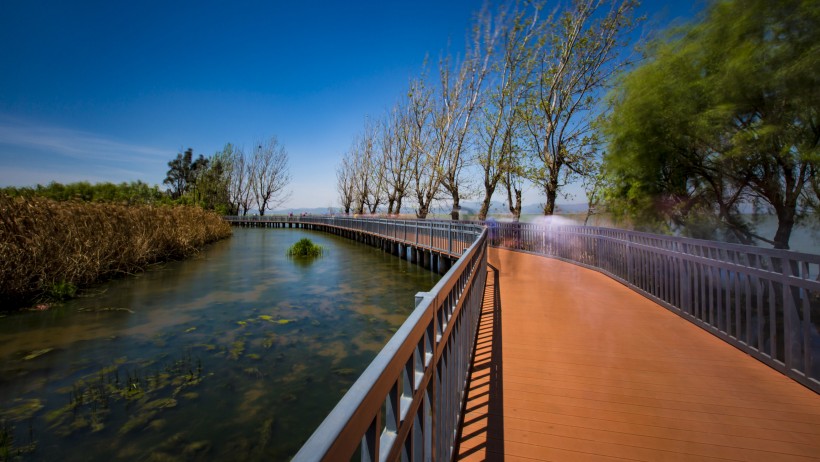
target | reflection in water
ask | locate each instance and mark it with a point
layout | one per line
(236, 354)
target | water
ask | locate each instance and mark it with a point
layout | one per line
(237, 354)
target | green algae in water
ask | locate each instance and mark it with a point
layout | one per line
(37, 353)
(237, 348)
(269, 341)
(95, 397)
(21, 409)
(253, 372)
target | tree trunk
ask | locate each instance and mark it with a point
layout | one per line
(785, 224)
(489, 190)
(515, 208)
(454, 214)
(552, 194)
(422, 212)
(398, 206)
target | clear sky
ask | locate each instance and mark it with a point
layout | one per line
(111, 91)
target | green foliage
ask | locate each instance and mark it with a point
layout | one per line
(723, 115)
(183, 172)
(304, 248)
(135, 192)
(62, 291)
(202, 181)
(210, 186)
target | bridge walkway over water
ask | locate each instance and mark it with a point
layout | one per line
(572, 365)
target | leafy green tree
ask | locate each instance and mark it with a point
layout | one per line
(211, 188)
(723, 115)
(183, 171)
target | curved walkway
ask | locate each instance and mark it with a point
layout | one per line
(572, 365)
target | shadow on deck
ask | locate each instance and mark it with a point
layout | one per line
(482, 431)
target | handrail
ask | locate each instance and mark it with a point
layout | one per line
(409, 400)
(765, 302)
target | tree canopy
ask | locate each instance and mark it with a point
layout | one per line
(721, 117)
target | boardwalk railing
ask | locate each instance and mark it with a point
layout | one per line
(407, 404)
(764, 301)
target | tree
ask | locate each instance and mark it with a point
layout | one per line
(270, 174)
(395, 140)
(500, 117)
(182, 172)
(345, 177)
(461, 88)
(367, 188)
(424, 158)
(578, 54)
(723, 115)
(212, 183)
(241, 184)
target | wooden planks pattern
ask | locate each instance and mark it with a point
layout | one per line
(571, 365)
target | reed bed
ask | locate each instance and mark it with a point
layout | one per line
(49, 248)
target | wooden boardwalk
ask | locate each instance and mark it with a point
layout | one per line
(573, 366)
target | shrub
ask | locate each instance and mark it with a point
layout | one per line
(304, 248)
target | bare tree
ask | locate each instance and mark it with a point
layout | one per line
(579, 54)
(377, 192)
(270, 174)
(345, 177)
(240, 187)
(425, 155)
(395, 140)
(370, 171)
(500, 118)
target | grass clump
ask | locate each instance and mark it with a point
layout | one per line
(305, 248)
(49, 249)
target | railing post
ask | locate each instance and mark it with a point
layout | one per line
(629, 263)
(790, 318)
(450, 237)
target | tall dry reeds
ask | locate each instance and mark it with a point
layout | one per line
(47, 245)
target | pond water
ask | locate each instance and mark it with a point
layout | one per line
(237, 354)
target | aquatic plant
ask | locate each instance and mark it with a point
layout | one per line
(51, 249)
(304, 248)
(143, 393)
(11, 450)
(62, 290)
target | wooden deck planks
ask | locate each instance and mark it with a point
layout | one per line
(573, 366)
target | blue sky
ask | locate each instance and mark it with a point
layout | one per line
(111, 91)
